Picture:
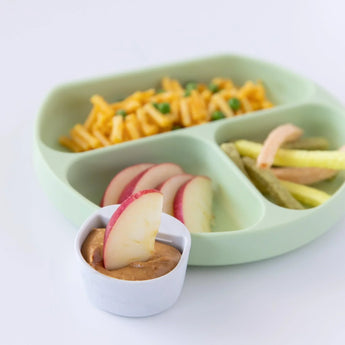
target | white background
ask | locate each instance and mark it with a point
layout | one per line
(297, 298)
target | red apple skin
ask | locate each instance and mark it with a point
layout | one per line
(179, 202)
(167, 187)
(118, 212)
(120, 181)
(132, 185)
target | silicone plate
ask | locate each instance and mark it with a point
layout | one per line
(247, 226)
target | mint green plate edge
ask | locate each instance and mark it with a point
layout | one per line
(260, 241)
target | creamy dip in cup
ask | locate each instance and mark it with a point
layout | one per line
(135, 298)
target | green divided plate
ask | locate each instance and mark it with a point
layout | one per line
(247, 226)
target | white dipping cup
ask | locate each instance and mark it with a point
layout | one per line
(135, 298)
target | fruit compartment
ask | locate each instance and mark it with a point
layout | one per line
(69, 104)
(90, 174)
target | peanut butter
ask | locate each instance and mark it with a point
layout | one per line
(164, 259)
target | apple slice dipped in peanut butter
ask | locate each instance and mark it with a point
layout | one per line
(193, 204)
(132, 229)
(119, 182)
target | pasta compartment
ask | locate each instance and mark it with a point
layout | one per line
(70, 104)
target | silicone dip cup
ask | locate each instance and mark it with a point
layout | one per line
(135, 298)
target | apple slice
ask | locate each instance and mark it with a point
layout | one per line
(193, 204)
(150, 178)
(169, 189)
(132, 229)
(120, 181)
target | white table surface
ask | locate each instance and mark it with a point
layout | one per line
(297, 298)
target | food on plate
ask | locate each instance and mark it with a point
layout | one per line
(193, 204)
(172, 107)
(150, 178)
(309, 143)
(275, 139)
(127, 248)
(131, 231)
(296, 158)
(119, 182)
(308, 195)
(304, 175)
(269, 185)
(286, 185)
(169, 189)
(233, 154)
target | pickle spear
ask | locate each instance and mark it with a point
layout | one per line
(233, 154)
(270, 186)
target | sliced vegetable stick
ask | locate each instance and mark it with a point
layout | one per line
(270, 186)
(80, 131)
(296, 158)
(304, 175)
(308, 195)
(233, 154)
(274, 140)
(70, 144)
(310, 143)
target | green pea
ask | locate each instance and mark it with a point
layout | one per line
(187, 93)
(213, 87)
(164, 108)
(191, 86)
(174, 127)
(121, 112)
(160, 91)
(217, 115)
(234, 103)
